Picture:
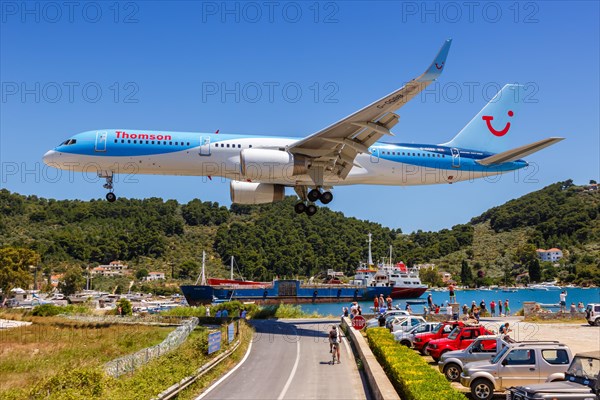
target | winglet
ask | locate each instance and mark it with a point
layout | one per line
(438, 64)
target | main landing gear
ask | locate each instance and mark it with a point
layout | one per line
(312, 196)
(110, 196)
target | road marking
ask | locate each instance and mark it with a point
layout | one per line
(347, 346)
(289, 381)
(214, 385)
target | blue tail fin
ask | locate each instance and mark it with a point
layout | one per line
(491, 129)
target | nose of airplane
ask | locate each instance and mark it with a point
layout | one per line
(49, 157)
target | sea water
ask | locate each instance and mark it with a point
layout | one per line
(515, 299)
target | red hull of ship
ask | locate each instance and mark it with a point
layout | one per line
(407, 293)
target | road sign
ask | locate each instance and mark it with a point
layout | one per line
(358, 322)
(230, 333)
(214, 342)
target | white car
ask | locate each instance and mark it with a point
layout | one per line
(404, 323)
(406, 337)
(374, 322)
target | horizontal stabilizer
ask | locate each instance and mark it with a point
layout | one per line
(519, 152)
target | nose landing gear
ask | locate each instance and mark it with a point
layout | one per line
(110, 196)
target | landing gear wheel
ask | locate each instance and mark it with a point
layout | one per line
(111, 197)
(326, 197)
(314, 195)
(311, 210)
(300, 208)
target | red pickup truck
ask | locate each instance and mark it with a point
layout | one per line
(441, 331)
(460, 338)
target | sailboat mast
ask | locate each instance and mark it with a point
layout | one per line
(370, 260)
(231, 269)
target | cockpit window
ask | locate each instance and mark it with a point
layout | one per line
(68, 142)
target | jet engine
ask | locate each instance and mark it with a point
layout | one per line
(266, 164)
(256, 193)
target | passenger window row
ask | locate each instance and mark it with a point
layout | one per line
(163, 142)
(393, 153)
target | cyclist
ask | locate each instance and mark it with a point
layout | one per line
(335, 339)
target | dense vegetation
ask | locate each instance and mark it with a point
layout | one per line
(410, 374)
(271, 240)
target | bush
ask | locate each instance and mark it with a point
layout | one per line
(412, 377)
(51, 310)
(125, 306)
(71, 384)
(282, 311)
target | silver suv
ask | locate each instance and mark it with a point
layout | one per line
(521, 363)
(582, 382)
(592, 314)
(482, 348)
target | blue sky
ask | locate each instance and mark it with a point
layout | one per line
(291, 68)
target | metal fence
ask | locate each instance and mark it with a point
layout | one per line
(129, 363)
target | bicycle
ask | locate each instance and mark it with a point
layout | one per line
(334, 349)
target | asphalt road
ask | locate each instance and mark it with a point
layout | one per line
(290, 359)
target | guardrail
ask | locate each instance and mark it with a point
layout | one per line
(174, 390)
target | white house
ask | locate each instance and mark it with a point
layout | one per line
(114, 268)
(551, 255)
(155, 276)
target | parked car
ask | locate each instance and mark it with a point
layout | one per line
(592, 314)
(460, 338)
(406, 337)
(405, 323)
(521, 363)
(422, 339)
(483, 348)
(582, 382)
(388, 315)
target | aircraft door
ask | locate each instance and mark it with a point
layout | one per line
(100, 141)
(455, 158)
(205, 146)
(374, 155)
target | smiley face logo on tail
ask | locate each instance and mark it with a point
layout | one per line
(488, 120)
(439, 66)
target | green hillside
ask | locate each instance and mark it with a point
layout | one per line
(271, 240)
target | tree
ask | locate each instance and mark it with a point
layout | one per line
(125, 306)
(535, 270)
(466, 275)
(141, 274)
(188, 269)
(14, 268)
(72, 282)
(431, 276)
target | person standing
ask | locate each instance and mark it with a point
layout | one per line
(389, 302)
(499, 308)
(207, 311)
(563, 301)
(452, 295)
(493, 308)
(381, 301)
(482, 306)
(430, 301)
(448, 312)
(506, 308)
(573, 310)
(375, 303)
(359, 310)
(465, 309)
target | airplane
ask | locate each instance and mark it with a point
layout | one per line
(347, 152)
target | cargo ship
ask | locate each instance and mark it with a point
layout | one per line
(281, 291)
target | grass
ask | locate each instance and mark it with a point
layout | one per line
(556, 320)
(147, 381)
(53, 345)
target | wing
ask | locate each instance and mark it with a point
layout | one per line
(333, 149)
